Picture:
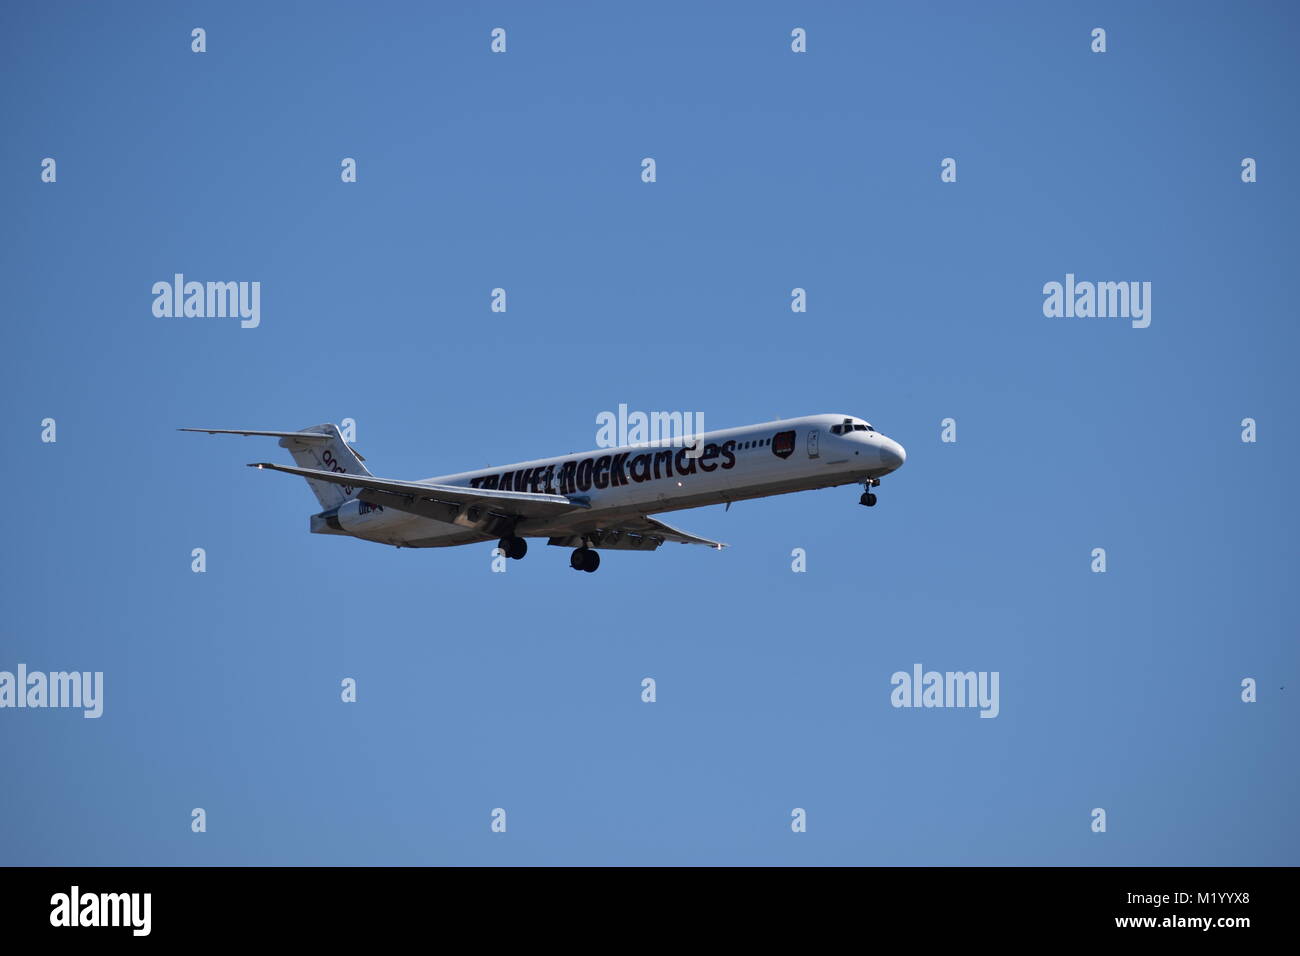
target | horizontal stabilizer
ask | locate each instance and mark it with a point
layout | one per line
(301, 436)
(320, 446)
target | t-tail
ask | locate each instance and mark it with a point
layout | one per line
(320, 447)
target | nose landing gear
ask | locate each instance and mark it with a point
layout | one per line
(868, 498)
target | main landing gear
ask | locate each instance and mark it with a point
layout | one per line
(868, 498)
(584, 559)
(513, 547)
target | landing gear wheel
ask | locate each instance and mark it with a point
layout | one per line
(513, 547)
(584, 559)
(867, 499)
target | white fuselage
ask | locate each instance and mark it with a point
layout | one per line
(752, 461)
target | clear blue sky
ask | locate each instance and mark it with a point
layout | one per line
(775, 170)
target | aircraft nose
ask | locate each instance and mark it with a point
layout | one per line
(892, 454)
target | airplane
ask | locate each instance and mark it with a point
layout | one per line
(590, 501)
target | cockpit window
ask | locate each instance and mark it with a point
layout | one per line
(849, 427)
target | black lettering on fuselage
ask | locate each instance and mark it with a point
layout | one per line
(685, 464)
(567, 484)
(666, 458)
(610, 471)
(617, 476)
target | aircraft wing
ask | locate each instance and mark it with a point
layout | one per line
(430, 500)
(445, 502)
(635, 533)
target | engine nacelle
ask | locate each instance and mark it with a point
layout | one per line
(359, 517)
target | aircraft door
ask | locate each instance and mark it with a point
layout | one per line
(812, 443)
